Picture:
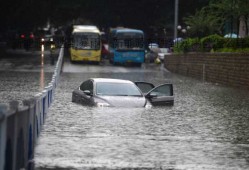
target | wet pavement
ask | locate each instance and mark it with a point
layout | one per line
(206, 129)
(24, 73)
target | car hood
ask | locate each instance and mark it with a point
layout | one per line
(122, 101)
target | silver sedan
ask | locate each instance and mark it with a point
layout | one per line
(105, 92)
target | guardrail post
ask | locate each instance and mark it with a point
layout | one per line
(14, 109)
(3, 124)
(45, 103)
(38, 114)
(31, 129)
(50, 92)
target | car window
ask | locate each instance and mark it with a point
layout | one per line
(163, 90)
(117, 89)
(144, 87)
(87, 85)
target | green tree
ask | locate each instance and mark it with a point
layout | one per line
(202, 24)
(244, 12)
(216, 16)
(232, 12)
(228, 10)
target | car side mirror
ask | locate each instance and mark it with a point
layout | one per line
(87, 92)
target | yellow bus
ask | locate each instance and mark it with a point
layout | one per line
(86, 44)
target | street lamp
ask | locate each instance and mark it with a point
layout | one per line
(176, 18)
(183, 30)
(179, 27)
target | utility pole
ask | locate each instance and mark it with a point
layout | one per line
(176, 18)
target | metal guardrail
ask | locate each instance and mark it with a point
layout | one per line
(21, 124)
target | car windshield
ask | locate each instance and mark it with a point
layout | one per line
(116, 89)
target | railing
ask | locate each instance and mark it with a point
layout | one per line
(21, 124)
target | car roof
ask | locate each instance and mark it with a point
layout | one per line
(124, 30)
(129, 30)
(111, 80)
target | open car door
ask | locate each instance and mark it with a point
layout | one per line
(158, 96)
(144, 86)
(82, 97)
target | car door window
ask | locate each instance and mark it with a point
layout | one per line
(163, 90)
(161, 95)
(84, 86)
(144, 86)
(90, 86)
(87, 85)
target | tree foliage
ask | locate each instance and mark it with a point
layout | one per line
(202, 24)
(214, 17)
(212, 43)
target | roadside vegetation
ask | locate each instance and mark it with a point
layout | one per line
(209, 25)
(212, 43)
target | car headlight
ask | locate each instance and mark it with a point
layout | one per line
(101, 104)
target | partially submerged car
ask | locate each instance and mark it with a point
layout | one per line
(105, 92)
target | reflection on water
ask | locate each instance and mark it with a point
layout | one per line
(207, 128)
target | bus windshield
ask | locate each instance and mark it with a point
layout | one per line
(88, 41)
(128, 41)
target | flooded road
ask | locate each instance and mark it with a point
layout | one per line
(23, 73)
(207, 128)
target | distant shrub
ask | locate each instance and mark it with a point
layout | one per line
(188, 45)
(212, 43)
(233, 50)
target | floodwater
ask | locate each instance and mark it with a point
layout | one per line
(23, 74)
(206, 129)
